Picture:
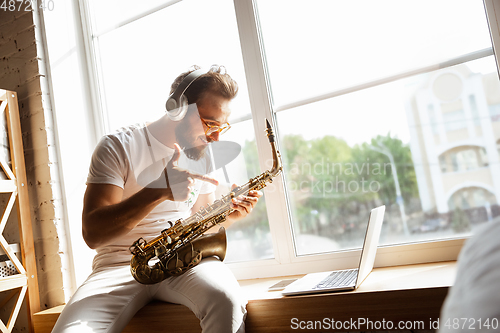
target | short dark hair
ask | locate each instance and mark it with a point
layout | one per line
(215, 81)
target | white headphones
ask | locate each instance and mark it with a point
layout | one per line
(177, 103)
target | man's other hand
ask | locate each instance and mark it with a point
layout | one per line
(243, 204)
(178, 182)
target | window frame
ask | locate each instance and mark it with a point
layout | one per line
(261, 102)
(278, 213)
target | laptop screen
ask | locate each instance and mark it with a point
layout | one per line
(370, 244)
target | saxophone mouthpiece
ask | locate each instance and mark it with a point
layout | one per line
(269, 130)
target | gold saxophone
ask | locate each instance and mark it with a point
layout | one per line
(184, 244)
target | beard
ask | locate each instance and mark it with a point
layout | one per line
(187, 143)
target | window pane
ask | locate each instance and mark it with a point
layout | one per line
(346, 155)
(139, 61)
(313, 47)
(107, 14)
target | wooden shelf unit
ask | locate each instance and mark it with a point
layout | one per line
(16, 184)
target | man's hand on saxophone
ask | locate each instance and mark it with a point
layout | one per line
(243, 205)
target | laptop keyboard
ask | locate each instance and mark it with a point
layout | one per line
(338, 278)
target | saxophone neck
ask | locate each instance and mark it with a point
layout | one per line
(277, 165)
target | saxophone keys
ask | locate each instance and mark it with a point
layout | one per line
(138, 246)
(160, 250)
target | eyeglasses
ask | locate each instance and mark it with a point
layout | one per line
(212, 129)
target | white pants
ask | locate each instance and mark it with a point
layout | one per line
(110, 297)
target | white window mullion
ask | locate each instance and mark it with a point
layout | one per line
(366, 85)
(91, 78)
(492, 9)
(260, 100)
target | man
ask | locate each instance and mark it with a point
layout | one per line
(140, 178)
(473, 302)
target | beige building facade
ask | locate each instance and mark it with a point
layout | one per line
(454, 121)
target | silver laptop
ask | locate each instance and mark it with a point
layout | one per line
(348, 279)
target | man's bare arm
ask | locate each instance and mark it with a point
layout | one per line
(106, 217)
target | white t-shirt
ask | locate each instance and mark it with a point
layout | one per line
(473, 302)
(131, 159)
